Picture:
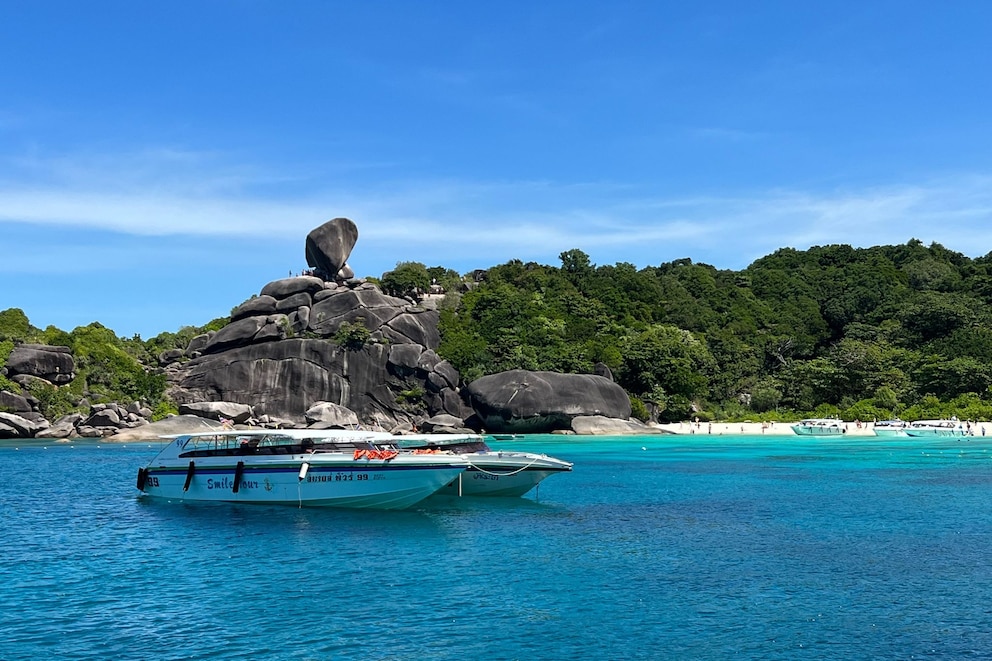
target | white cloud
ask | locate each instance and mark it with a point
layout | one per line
(176, 193)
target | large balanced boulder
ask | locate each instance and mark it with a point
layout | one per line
(520, 401)
(51, 363)
(329, 246)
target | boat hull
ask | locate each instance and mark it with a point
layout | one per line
(889, 433)
(490, 480)
(951, 428)
(393, 484)
(935, 433)
(490, 472)
(817, 431)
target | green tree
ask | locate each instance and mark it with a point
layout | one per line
(14, 325)
(665, 357)
(407, 279)
(352, 336)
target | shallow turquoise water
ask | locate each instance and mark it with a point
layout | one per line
(673, 547)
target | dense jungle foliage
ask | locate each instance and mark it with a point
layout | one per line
(108, 368)
(860, 333)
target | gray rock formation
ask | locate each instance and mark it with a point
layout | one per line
(180, 424)
(12, 403)
(327, 415)
(219, 411)
(197, 343)
(288, 287)
(64, 427)
(258, 305)
(282, 352)
(329, 246)
(597, 424)
(53, 364)
(285, 379)
(170, 356)
(603, 370)
(443, 424)
(519, 401)
(15, 426)
(104, 418)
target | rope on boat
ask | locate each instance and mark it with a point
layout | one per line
(522, 468)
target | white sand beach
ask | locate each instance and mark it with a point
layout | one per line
(767, 428)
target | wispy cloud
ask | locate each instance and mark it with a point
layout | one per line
(176, 193)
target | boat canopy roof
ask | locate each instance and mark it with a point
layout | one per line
(936, 423)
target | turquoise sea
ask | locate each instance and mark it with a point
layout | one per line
(690, 547)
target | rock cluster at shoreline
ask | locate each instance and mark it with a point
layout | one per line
(327, 349)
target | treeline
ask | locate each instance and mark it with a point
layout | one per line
(859, 333)
(108, 368)
(830, 331)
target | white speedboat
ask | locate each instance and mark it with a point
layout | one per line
(930, 428)
(819, 427)
(322, 468)
(889, 428)
(490, 472)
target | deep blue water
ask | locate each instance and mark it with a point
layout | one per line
(653, 548)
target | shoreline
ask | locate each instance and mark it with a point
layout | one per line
(685, 428)
(775, 429)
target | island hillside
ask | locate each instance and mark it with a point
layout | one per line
(860, 334)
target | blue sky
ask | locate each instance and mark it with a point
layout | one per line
(161, 162)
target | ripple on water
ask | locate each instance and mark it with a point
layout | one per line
(745, 549)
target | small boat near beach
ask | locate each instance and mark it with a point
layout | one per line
(889, 428)
(932, 428)
(819, 427)
(303, 467)
(490, 472)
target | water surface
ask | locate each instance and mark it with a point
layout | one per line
(687, 547)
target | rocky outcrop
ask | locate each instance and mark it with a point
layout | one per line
(178, 424)
(53, 364)
(599, 425)
(319, 338)
(519, 401)
(325, 349)
(16, 426)
(444, 424)
(285, 379)
(327, 415)
(64, 427)
(231, 412)
(13, 403)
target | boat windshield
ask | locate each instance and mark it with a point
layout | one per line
(212, 445)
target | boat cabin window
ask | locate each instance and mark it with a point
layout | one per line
(221, 445)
